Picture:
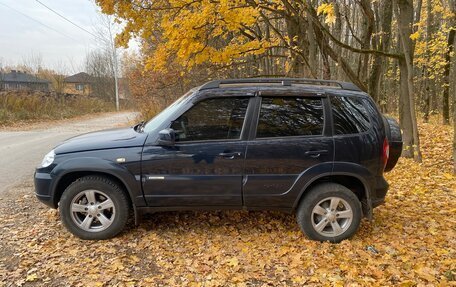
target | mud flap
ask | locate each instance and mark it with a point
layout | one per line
(366, 205)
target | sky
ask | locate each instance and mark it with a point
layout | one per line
(59, 44)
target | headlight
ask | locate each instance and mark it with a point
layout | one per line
(48, 159)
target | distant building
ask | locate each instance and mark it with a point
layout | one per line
(78, 84)
(17, 80)
(87, 85)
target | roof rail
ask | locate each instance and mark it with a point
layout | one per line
(284, 81)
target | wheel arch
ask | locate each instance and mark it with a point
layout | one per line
(70, 177)
(67, 172)
(356, 183)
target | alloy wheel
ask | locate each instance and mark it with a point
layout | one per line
(92, 210)
(331, 216)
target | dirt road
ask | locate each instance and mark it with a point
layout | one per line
(22, 151)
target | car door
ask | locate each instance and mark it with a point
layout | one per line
(205, 166)
(354, 137)
(291, 145)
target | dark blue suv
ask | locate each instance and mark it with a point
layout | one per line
(314, 147)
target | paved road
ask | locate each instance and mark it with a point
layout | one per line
(22, 151)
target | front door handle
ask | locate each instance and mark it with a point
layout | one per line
(229, 155)
(315, 153)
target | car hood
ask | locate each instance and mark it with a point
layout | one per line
(106, 139)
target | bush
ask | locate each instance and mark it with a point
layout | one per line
(24, 106)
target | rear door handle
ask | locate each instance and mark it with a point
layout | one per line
(229, 155)
(315, 153)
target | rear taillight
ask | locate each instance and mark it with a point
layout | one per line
(385, 152)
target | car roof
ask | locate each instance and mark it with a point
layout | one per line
(282, 86)
(279, 81)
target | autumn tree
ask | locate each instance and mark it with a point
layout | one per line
(381, 46)
(450, 63)
(407, 114)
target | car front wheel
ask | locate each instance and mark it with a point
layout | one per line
(94, 207)
(329, 212)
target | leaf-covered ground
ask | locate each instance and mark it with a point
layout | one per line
(411, 241)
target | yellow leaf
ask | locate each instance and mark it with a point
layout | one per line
(425, 272)
(32, 277)
(448, 176)
(233, 262)
(408, 283)
(298, 280)
(328, 11)
(415, 36)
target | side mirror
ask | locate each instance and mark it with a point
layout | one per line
(166, 137)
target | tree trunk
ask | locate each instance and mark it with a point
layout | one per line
(404, 111)
(417, 12)
(326, 66)
(405, 25)
(451, 62)
(454, 135)
(368, 29)
(312, 48)
(427, 103)
(337, 32)
(427, 90)
(297, 30)
(446, 79)
(386, 16)
(454, 128)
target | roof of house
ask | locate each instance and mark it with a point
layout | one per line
(21, 77)
(79, 78)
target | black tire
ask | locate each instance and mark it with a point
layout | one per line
(308, 220)
(103, 189)
(394, 136)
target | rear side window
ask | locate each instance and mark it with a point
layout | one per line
(349, 115)
(290, 116)
(212, 119)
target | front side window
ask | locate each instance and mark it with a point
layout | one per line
(290, 116)
(349, 115)
(79, 87)
(212, 119)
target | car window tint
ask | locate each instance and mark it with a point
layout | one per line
(290, 116)
(349, 115)
(212, 119)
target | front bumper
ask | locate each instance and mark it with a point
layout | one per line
(43, 188)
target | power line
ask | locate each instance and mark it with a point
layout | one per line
(97, 37)
(68, 20)
(39, 22)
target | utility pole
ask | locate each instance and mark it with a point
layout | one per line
(116, 79)
(114, 59)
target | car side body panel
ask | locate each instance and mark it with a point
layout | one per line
(276, 169)
(281, 191)
(194, 174)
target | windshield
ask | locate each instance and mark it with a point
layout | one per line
(156, 121)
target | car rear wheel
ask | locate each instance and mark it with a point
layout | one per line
(329, 212)
(94, 207)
